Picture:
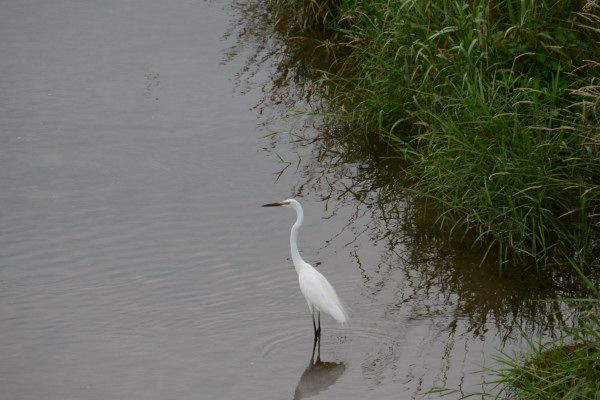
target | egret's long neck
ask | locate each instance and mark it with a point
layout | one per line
(296, 258)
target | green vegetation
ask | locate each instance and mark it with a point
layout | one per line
(494, 104)
(568, 368)
(564, 368)
(495, 107)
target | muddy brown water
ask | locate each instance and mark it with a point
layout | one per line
(136, 147)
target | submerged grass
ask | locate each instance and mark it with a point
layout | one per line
(566, 368)
(495, 105)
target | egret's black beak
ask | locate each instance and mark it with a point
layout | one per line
(272, 204)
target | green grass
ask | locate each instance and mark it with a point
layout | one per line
(496, 106)
(566, 368)
(495, 109)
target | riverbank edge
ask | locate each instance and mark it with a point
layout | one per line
(496, 109)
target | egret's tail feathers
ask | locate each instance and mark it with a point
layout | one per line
(340, 315)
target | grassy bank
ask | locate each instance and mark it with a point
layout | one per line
(495, 105)
(566, 368)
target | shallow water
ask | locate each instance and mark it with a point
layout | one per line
(136, 148)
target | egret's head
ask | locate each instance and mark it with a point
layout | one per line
(290, 203)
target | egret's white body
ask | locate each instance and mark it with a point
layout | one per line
(317, 290)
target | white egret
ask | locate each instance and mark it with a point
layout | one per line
(317, 290)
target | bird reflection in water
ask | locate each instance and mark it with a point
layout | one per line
(318, 376)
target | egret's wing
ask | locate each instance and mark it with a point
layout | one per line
(319, 292)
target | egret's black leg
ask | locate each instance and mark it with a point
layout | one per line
(317, 333)
(312, 356)
(319, 328)
(316, 346)
(318, 351)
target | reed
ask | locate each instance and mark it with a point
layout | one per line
(495, 105)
